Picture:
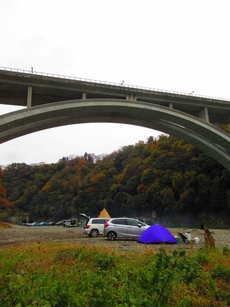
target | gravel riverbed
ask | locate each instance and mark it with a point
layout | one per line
(16, 235)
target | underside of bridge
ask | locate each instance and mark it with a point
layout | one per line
(202, 134)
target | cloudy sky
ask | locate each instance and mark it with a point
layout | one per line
(173, 45)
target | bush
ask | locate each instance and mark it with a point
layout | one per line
(65, 275)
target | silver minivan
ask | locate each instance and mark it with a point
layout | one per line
(124, 227)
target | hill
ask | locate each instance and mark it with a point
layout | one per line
(164, 179)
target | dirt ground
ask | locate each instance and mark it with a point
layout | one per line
(43, 234)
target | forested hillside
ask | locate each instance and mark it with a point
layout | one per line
(165, 176)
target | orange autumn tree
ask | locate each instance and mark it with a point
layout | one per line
(4, 203)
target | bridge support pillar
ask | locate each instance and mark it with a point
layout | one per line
(29, 97)
(131, 97)
(229, 123)
(83, 95)
(203, 114)
(217, 124)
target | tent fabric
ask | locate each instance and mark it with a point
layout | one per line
(157, 234)
(104, 213)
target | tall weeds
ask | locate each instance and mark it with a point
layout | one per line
(59, 275)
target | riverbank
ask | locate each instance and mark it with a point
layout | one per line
(15, 234)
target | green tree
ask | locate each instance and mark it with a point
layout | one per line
(4, 203)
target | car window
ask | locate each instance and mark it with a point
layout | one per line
(120, 221)
(98, 221)
(133, 222)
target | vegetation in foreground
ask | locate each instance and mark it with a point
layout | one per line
(69, 275)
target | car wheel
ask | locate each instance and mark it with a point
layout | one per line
(112, 236)
(94, 233)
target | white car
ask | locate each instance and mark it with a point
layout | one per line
(94, 226)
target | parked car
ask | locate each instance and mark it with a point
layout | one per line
(51, 224)
(124, 227)
(32, 224)
(60, 223)
(71, 223)
(94, 226)
(43, 224)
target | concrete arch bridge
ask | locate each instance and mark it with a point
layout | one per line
(52, 101)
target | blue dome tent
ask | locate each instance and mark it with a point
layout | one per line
(157, 234)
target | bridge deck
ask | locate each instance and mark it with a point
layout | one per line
(47, 89)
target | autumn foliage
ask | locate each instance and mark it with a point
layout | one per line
(163, 175)
(4, 203)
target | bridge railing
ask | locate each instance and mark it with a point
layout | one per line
(108, 83)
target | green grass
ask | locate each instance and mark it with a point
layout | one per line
(68, 275)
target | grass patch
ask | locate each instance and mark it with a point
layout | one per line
(56, 275)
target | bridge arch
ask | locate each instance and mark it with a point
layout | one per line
(207, 137)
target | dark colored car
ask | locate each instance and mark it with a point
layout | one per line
(60, 223)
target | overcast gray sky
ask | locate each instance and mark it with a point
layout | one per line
(173, 45)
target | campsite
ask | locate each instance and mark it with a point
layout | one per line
(17, 234)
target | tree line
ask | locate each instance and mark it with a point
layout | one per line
(161, 177)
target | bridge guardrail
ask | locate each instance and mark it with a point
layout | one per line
(108, 83)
